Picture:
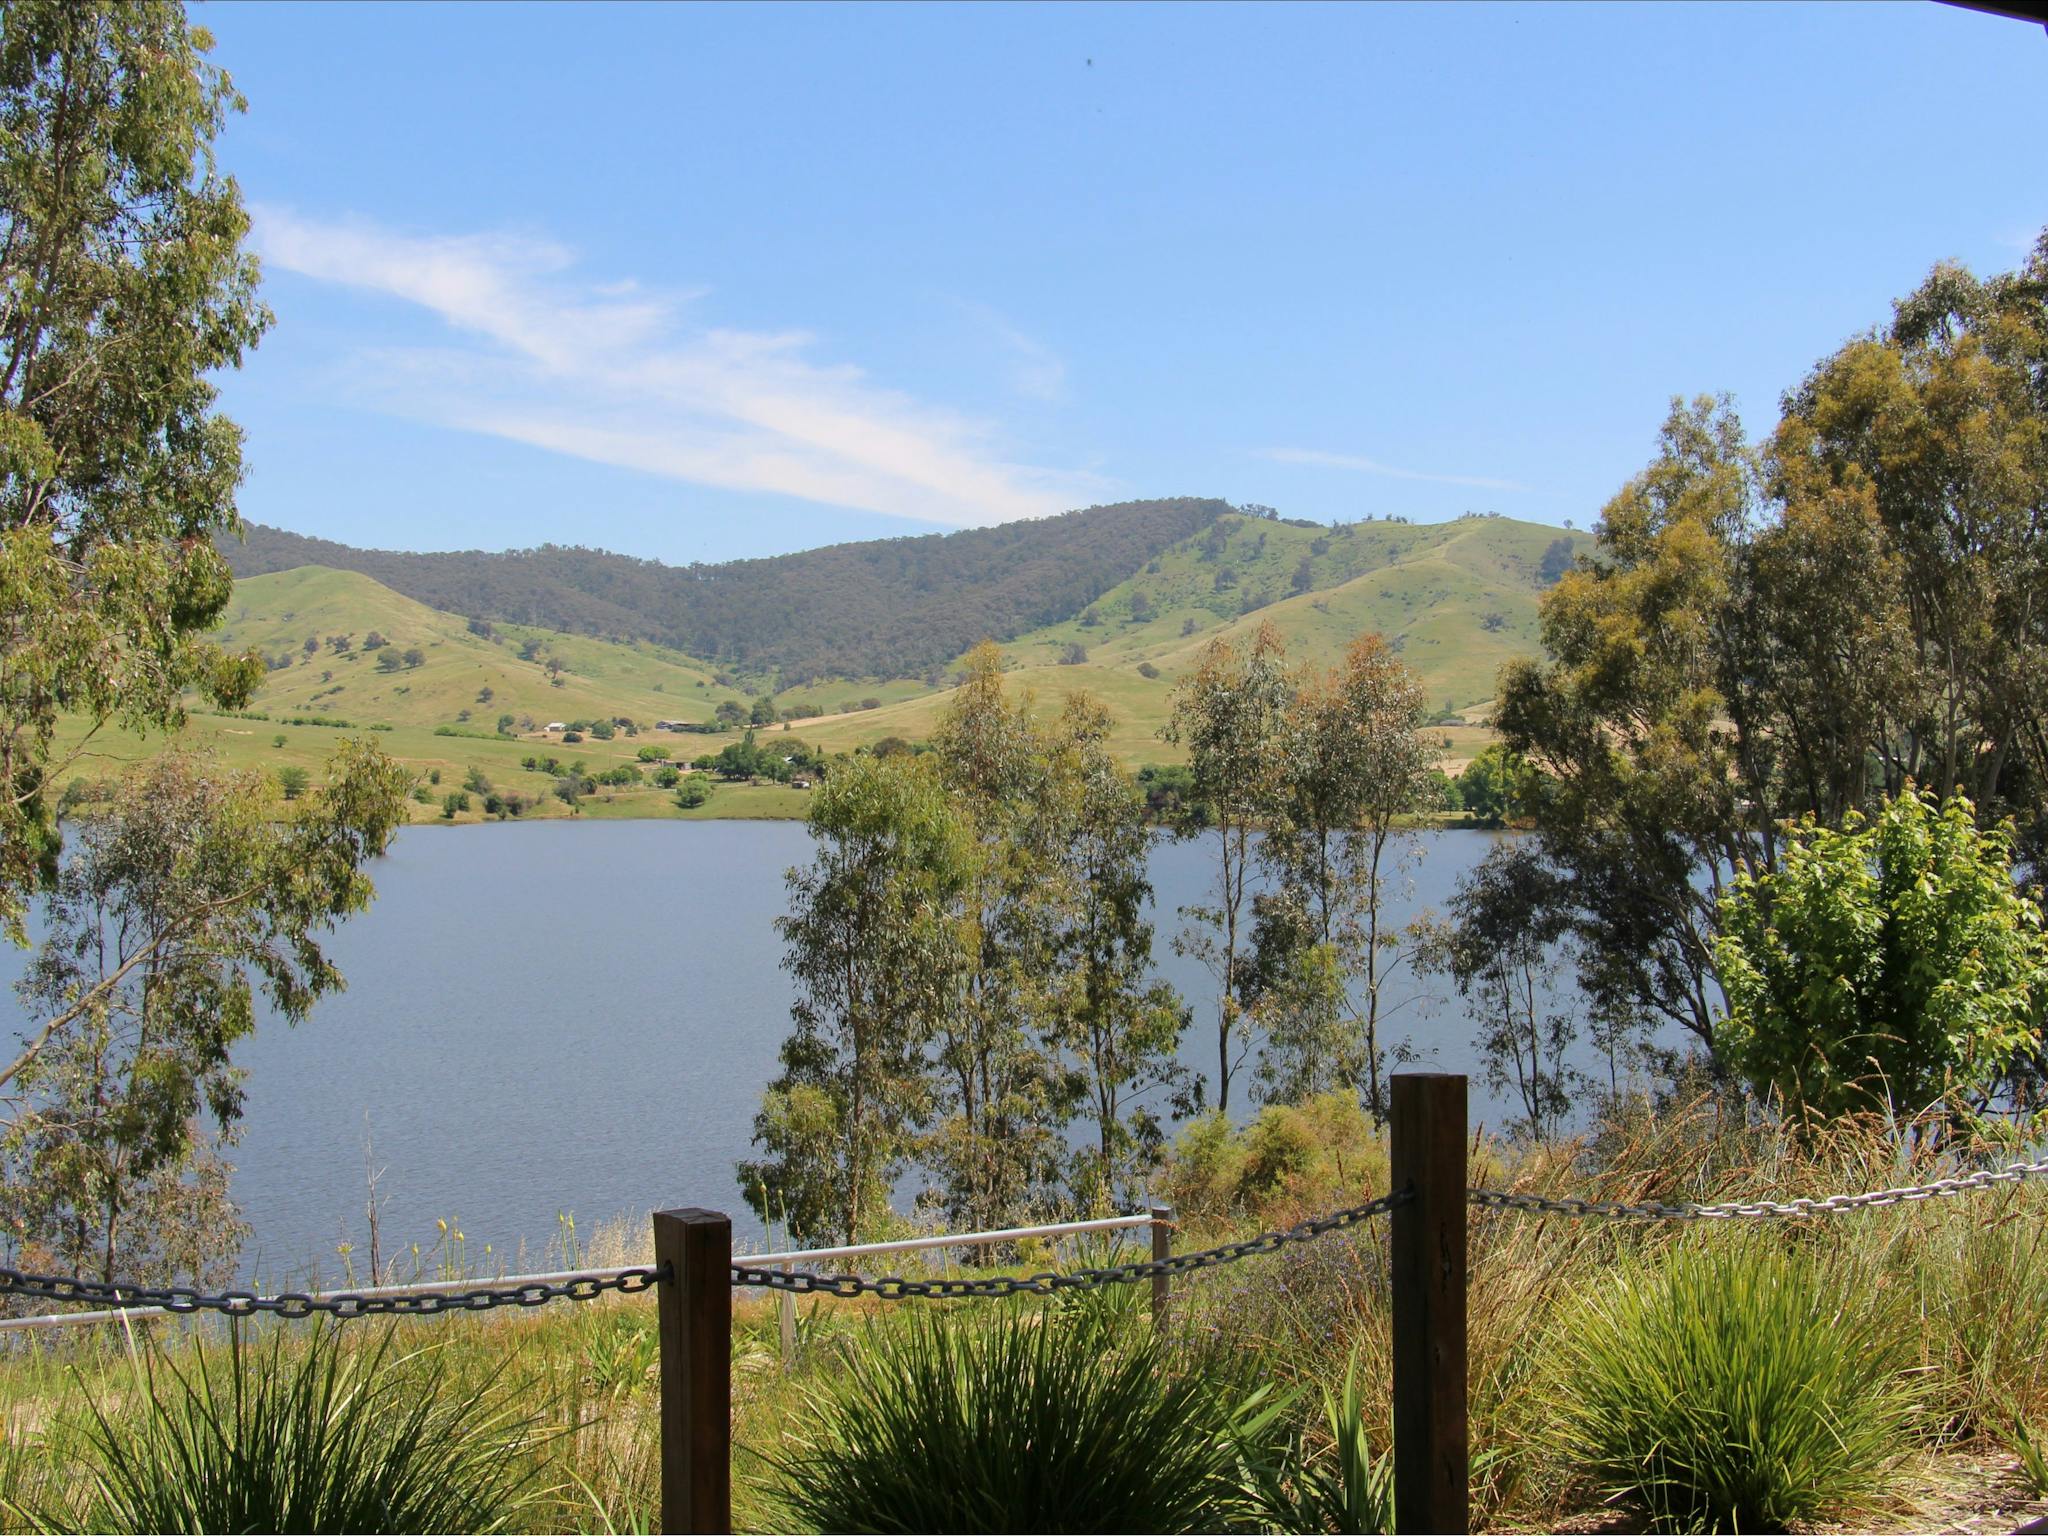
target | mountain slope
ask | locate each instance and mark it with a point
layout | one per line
(887, 608)
(1457, 599)
(276, 614)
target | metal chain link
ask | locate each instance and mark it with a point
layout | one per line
(1827, 1205)
(183, 1298)
(897, 1288)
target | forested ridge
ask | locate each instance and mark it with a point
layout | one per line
(880, 608)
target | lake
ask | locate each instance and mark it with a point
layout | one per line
(578, 1018)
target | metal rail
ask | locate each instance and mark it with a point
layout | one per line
(942, 1240)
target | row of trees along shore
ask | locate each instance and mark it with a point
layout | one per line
(1783, 765)
(973, 958)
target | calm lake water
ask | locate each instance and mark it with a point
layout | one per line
(579, 1018)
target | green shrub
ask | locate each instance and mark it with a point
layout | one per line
(1883, 965)
(323, 1436)
(1347, 1489)
(1737, 1387)
(1023, 1422)
(1292, 1158)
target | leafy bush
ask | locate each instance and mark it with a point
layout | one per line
(1290, 1159)
(1737, 1387)
(1883, 964)
(1022, 1423)
(321, 1437)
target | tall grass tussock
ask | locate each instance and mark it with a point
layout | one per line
(1735, 1386)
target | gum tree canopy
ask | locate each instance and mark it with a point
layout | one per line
(123, 285)
(123, 288)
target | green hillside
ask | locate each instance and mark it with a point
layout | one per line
(878, 608)
(277, 614)
(1457, 599)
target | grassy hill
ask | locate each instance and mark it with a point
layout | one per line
(882, 608)
(417, 713)
(277, 614)
(1457, 599)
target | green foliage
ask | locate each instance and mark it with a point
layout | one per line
(1733, 1388)
(745, 759)
(867, 944)
(1494, 786)
(453, 804)
(127, 291)
(1349, 761)
(1311, 1155)
(176, 899)
(1502, 946)
(1799, 629)
(1018, 1423)
(1883, 965)
(292, 781)
(1226, 713)
(1347, 1489)
(693, 792)
(330, 1436)
(2031, 1449)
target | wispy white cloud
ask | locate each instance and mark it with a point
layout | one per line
(617, 374)
(1035, 369)
(1365, 466)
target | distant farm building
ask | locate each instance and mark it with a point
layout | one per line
(557, 725)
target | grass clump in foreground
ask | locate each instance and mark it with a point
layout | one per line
(1733, 1387)
(264, 1437)
(1022, 1420)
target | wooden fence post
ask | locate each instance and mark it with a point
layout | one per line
(695, 1302)
(1162, 1250)
(1432, 1464)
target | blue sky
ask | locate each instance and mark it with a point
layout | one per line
(699, 282)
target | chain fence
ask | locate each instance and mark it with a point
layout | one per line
(536, 1291)
(1727, 1210)
(897, 1288)
(380, 1301)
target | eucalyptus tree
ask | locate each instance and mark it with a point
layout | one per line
(1627, 723)
(175, 903)
(870, 942)
(1119, 1030)
(1504, 945)
(1350, 762)
(1226, 712)
(124, 287)
(997, 1146)
(1928, 439)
